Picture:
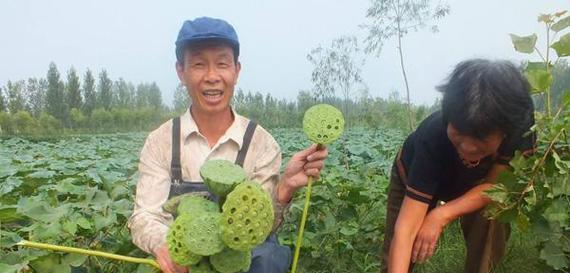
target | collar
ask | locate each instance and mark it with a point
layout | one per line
(235, 132)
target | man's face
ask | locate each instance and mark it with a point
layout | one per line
(210, 75)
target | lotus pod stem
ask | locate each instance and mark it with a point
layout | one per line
(82, 251)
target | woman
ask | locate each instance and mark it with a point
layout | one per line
(454, 156)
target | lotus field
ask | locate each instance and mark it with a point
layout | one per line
(78, 192)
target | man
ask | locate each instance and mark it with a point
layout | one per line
(207, 64)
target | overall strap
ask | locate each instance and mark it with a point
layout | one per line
(246, 141)
(175, 167)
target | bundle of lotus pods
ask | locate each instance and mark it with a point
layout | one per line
(323, 124)
(209, 240)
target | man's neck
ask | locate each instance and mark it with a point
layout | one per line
(213, 126)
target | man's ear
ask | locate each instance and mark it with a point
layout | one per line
(238, 69)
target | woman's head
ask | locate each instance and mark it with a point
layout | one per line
(484, 100)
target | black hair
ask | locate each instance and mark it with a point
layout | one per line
(180, 51)
(481, 97)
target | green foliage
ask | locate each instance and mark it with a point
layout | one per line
(535, 193)
(89, 94)
(72, 192)
(104, 95)
(55, 95)
(73, 94)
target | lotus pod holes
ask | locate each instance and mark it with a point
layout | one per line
(177, 243)
(203, 236)
(323, 124)
(221, 176)
(231, 261)
(247, 217)
(196, 205)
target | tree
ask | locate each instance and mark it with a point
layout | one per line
(55, 100)
(123, 93)
(2, 101)
(337, 67)
(155, 96)
(181, 99)
(105, 97)
(16, 100)
(35, 92)
(72, 88)
(397, 18)
(89, 93)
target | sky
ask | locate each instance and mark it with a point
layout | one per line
(134, 40)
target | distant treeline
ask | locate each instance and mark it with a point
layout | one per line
(52, 105)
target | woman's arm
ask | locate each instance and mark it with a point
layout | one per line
(438, 218)
(410, 218)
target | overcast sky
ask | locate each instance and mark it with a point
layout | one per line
(135, 40)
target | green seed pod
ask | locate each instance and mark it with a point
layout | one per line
(203, 267)
(323, 124)
(247, 217)
(177, 247)
(203, 235)
(196, 205)
(231, 261)
(221, 176)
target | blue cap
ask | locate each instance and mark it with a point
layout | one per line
(204, 29)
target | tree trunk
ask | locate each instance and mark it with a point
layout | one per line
(408, 103)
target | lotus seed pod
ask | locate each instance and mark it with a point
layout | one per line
(323, 123)
(176, 242)
(247, 216)
(203, 237)
(202, 267)
(196, 205)
(231, 261)
(221, 176)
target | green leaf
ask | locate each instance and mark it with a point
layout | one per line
(70, 227)
(74, 259)
(540, 80)
(567, 97)
(561, 24)
(50, 264)
(498, 193)
(562, 47)
(41, 211)
(554, 256)
(42, 174)
(348, 230)
(560, 186)
(10, 214)
(84, 223)
(7, 170)
(8, 268)
(9, 184)
(537, 66)
(524, 44)
(557, 212)
(523, 223)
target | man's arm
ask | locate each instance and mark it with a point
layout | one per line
(438, 218)
(149, 222)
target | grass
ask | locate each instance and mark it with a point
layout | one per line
(522, 255)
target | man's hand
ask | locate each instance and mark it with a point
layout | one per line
(167, 265)
(428, 235)
(308, 162)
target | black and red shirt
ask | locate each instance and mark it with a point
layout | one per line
(432, 170)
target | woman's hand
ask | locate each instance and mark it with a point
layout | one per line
(428, 235)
